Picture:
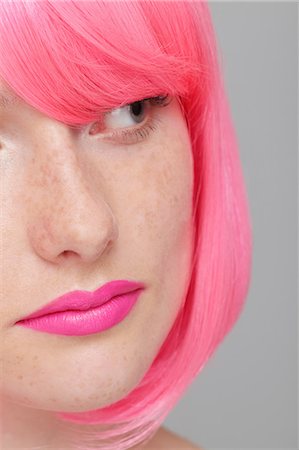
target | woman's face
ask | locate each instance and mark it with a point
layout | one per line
(78, 212)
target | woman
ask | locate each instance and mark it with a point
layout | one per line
(126, 243)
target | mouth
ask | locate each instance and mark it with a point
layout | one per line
(87, 321)
(86, 300)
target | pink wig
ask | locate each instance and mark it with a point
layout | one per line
(74, 60)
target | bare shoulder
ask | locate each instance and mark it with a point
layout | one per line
(168, 440)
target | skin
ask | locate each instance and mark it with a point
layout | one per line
(78, 212)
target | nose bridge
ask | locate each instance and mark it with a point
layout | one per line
(65, 216)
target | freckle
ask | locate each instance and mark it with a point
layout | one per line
(31, 383)
(53, 400)
(20, 377)
(35, 358)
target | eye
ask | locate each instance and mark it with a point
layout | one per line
(130, 123)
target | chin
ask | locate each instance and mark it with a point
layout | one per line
(89, 394)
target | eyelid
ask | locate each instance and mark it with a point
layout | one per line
(124, 136)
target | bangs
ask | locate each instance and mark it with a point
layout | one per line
(76, 60)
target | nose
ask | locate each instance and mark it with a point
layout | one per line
(67, 218)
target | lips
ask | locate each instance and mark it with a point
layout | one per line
(85, 300)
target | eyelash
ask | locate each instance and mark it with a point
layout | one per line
(134, 135)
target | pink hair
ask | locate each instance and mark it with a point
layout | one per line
(73, 60)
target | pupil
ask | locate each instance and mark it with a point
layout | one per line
(136, 108)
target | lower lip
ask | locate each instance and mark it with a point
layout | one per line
(81, 323)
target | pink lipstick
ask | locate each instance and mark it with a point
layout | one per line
(79, 313)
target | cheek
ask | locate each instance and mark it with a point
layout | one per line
(163, 235)
(164, 209)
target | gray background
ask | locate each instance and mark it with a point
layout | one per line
(246, 396)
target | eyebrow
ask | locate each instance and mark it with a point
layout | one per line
(7, 100)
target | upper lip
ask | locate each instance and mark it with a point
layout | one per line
(83, 300)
